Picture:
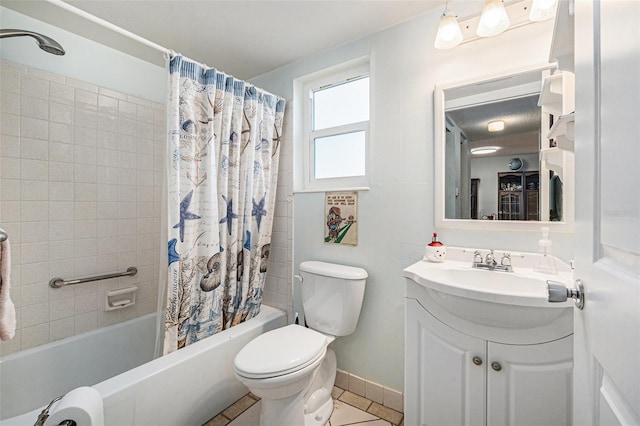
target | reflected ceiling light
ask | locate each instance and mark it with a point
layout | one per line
(494, 19)
(484, 150)
(449, 34)
(541, 10)
(495, 126)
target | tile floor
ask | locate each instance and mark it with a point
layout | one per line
(349, 409)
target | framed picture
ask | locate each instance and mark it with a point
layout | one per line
(341, 218)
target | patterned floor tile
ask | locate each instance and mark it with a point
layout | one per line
(345, 414)
(239, 407)
(246, 412)
(251, 417)
(355, 400)
(385, 413)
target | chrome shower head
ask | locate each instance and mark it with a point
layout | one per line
(45, 43)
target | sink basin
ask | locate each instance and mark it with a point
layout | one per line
(494, 305)
(459, 279)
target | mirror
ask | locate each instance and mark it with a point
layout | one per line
(493, 159)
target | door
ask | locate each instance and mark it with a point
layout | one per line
(607, 234)
(444, 374)
(530, 384)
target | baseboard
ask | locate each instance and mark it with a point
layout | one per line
(383, 395)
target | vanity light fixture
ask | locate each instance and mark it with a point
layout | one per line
(541, 10)
(483, 150)
(495, 126)
(494, 19)
(449, 34)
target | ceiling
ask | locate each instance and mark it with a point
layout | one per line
(521, 118)
(242, 38)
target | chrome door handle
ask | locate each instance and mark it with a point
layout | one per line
(558, 292)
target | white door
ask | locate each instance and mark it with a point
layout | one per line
(607, 152)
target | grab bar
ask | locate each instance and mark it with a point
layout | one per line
(59, 282)
(3, 235)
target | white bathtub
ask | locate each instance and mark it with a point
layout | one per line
(186, 387)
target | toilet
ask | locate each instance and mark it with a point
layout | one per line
(292, 368)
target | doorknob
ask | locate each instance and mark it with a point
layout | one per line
(558, 292)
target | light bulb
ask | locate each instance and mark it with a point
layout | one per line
(449, 34)
(494, 19)
(542, 10)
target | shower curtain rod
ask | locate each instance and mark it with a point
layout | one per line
(81, 13)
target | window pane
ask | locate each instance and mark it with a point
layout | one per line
(339, 155)
(342, 104)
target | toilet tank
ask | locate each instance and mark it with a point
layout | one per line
(332, 296)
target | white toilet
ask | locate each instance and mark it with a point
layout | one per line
(291, 368)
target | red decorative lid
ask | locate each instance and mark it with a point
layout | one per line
(434, 241)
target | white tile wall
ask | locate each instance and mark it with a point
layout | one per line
(279, 284)
(79, 195)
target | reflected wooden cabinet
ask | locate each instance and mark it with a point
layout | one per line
(532, 195)
(518, 195)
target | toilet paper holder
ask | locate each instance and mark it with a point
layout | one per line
(121, 298)
(44, 415)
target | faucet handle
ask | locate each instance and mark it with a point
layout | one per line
(490, 259)
(506, 259)
(477, 257)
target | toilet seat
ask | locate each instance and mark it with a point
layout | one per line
(279, 352)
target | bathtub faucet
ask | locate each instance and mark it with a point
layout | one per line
(44, 415)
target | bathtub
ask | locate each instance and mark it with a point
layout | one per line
(186, 387)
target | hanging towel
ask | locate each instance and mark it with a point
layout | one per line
(7, 310)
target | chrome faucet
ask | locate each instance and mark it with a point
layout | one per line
(490, 262)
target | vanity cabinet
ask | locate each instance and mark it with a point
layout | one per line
(453, 378)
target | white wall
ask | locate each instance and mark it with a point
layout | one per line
(486, 169)
(396, 216)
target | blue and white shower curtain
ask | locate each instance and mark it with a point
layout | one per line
(223, 150)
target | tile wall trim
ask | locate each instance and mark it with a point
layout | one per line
(383, 395)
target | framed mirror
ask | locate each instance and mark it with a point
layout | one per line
(496, 165)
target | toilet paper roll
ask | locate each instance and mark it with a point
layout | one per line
(82, 405)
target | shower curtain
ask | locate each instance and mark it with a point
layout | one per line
(223, 150)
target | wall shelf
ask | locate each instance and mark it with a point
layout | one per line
(556, 96)
(563, 127)
(563, 37)
(553, 159)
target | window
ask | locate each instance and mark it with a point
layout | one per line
(337, 129)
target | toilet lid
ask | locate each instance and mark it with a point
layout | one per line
(280, 351)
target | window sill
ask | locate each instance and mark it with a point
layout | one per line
(344, 189)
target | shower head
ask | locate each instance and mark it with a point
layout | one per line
(45, 43)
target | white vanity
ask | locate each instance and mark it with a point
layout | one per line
(486, 347)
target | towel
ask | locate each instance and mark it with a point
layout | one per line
(7, 310)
